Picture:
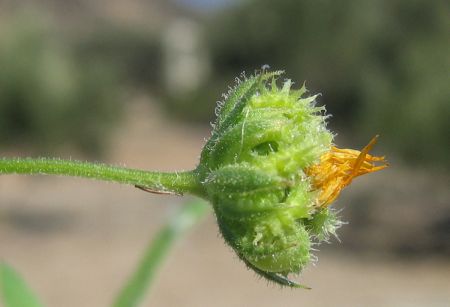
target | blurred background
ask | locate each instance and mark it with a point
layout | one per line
(136, 82)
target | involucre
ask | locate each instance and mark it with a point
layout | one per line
(270, 170)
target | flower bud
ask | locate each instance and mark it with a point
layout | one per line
(270, 170)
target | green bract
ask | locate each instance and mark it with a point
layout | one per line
(252, 169)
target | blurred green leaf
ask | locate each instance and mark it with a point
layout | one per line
(14, 292)
(141, 280)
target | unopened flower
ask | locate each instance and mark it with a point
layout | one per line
(271, 171)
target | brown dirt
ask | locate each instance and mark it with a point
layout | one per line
(76, 241)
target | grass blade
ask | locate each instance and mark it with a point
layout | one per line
(141, 280)
(14, 292)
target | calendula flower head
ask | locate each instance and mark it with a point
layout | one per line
(271, 171)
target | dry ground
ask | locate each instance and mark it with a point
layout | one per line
(76, 241)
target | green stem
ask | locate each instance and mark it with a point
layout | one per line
(158, 182)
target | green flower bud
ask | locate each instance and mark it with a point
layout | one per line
(261, 169)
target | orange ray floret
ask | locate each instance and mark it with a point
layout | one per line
(338, 167)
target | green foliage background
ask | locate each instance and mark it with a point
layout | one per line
(382, 66)
(49, 98)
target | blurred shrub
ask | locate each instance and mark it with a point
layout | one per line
(136, 54)
(382, 66)
(50, 99)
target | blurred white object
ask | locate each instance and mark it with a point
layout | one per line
(186, 60)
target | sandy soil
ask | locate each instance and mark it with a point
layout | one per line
(76, 241)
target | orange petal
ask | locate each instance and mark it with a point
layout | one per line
(338, 167)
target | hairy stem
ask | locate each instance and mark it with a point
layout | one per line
(158, 182)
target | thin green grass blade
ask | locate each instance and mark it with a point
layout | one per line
(14, 292)
(141, 280)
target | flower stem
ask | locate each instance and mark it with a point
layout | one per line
(158, 182)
